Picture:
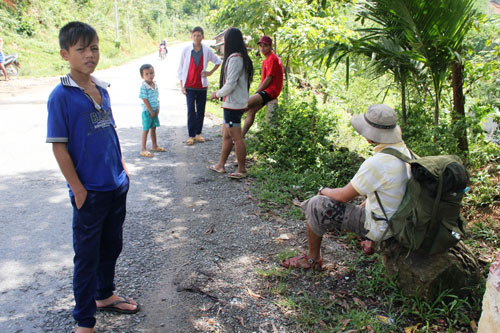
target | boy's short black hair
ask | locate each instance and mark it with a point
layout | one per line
(144, 67)
(199, 29)
(72, 32)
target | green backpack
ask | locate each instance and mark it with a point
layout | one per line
(429, 217)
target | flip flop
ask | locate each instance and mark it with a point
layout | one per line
(237, 175)
(214, 168)
(145, 154)
(190, 141)
(113, 307)
(160, 149)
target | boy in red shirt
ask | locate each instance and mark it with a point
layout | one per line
(271, 84)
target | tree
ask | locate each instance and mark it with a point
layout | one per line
(406, 33)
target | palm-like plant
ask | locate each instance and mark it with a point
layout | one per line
(435, 31)
(406, 35)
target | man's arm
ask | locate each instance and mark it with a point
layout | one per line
(208, 73)
(212, 57)
(264, 84)
(180, 70)
(68, 170)
(344, 194)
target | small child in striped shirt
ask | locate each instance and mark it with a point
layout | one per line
(150, 110)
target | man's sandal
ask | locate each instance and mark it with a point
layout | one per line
(298, 262)
(113, 306)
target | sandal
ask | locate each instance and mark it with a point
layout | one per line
(113, 307)
(214, 168)
(145, 154)
(199, 138)
(295, 263)
(238, 175)
(190, 141)
(160, 149)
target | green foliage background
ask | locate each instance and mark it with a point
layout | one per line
(30, 28)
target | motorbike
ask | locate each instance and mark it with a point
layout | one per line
(163, 52)
(11, 64)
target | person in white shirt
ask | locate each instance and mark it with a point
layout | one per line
(387, 175)
(192, 73)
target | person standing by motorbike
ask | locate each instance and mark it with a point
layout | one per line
(2, 67)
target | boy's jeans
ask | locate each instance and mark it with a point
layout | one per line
(97, 241)
(196, 115)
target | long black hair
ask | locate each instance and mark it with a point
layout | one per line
(234, 43)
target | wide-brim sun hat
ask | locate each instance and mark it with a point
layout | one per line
(378, 124)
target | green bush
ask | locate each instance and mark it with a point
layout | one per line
(296, 153)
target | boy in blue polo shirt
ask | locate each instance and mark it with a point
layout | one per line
(81, 128)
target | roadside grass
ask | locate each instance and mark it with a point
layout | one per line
(362, 298)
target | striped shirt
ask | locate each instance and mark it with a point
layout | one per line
(388, 176)
(151, 94)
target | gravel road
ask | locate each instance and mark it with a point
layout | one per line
(194, 239)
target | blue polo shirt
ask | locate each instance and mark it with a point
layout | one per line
(89, 131)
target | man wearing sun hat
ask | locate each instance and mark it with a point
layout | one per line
(270, 85)
(387, 175)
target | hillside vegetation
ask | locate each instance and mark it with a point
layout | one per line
(30, 29)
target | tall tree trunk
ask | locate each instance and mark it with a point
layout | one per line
(458, 114)
(403, 101)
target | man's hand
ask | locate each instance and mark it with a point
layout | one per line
(206, 74)
(183, 90)
(343, 194)
(214, 95)
(80, 197)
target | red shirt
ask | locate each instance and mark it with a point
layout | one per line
(194, 74)
(272, 66)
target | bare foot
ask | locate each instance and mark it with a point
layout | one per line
(132, 306)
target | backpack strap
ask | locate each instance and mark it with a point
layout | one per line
(402, 157)
(385, 214)
(398, 154)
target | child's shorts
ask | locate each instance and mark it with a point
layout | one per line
(148, 122)
(232, 118)
(1, 58)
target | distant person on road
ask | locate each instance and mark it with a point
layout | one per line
(2, 59)
(81, 128)
(192, 73)
(235, 78)
(270, 85)
(150, 110)
(163, 47)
